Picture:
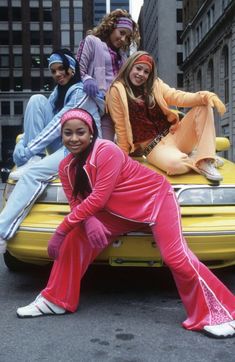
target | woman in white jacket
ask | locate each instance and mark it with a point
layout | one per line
(42, 132)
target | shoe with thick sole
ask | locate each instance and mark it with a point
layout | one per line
(40, 307)
(208, 169)
(19, 171)
(224, 330)
(219, 162)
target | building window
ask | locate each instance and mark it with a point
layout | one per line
(179, 33)
(34, 14)
(35, 61)
(18, 107)
(45, 60)
(47, 14)
(186, 48)
(77, 15)
(47, 37)
(65, 16)
(199, 33)
(179, 58)
(4, 83)
(3, 13)
(180, 80)
(199, 80)
(48, 84)
(18, 61)
(5, 108)
(210, 75)
(17, 37)
(18, 84)
(35, 84)
(4, 61)
(65, 38)
(77, 37)
(179, 15)
(16, 14)
(35, 37)
(5, 37)
(225, 65)
(187, 85)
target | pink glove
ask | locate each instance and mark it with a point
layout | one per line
(96, 232)
(55, 243)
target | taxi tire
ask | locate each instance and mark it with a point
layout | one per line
(13, 263)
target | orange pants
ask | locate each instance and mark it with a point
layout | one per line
(196, 131)
(206, 299)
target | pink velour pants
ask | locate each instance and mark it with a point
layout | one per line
(196, 131)
(207, 301)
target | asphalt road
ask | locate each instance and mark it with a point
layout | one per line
(125, 315)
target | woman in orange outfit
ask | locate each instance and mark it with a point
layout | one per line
(98, 179)
(139, 104)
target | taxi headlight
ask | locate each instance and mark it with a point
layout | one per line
(198, 196)
(53, 194)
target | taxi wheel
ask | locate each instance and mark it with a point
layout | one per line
(12, 263)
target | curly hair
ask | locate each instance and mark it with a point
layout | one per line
(108, 24)
(123, 77)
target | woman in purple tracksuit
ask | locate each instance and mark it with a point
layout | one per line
(102, 53)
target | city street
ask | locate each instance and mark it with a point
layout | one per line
(125, 315)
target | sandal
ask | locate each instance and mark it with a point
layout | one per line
(40, 307)
(224, 330)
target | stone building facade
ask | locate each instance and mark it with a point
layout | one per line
(209, 57)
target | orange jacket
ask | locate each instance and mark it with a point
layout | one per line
(117, 107)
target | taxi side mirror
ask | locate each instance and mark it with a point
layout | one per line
(222, 144)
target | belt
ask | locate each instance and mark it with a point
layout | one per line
(154, 142)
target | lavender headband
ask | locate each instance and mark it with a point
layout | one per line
(124, 23)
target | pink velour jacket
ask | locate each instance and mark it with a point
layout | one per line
(120, 185)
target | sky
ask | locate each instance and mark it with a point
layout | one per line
(135, 6)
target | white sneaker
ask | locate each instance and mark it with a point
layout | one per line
(40, 307)
(223, 330)
(219, 162)
(207, 169)
(16, 174)
(3, 246)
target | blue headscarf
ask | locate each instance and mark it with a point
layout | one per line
(56, 58)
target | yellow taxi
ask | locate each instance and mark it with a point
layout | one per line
(208, 220)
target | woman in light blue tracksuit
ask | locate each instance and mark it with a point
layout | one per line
(42, 132)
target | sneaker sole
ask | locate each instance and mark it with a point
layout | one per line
(211, 335)
(41, 315)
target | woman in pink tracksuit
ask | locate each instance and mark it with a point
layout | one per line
(98, 179)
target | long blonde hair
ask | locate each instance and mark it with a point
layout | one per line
(123, 77)
(108, 24)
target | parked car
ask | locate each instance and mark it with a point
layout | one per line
(208, 214)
